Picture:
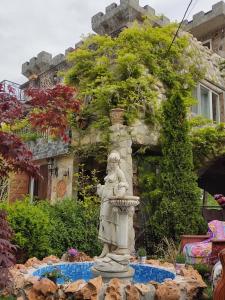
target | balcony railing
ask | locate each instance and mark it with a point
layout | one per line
(16, 87)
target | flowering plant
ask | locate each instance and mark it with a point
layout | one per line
(220, 199)
(72, 252)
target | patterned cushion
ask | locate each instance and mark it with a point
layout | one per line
(217, 228)
(198, 252)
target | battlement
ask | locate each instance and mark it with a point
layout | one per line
(41, 63)
(117, 17)
(210, 21)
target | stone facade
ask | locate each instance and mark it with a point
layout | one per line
(46, 148)
(210, 27)
(42, 72)
(117, 17)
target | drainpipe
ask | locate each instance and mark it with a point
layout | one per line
(31, 190)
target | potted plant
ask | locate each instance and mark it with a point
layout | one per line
(72, 253)
(53, 275)
(117, 115)
(142, 255)
(180, 262)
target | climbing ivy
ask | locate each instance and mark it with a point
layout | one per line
(208, 142)
(124, 71)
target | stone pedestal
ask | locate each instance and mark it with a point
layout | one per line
(107, 276)
(124, 207)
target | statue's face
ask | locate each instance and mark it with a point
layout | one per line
(112, 165)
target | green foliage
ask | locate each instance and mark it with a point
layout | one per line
(124, 71)
(75, 224)
(75, 221)
(204, 270)
(42, 229)
(180, 259)
(208, 143)
(55, 274)
(141, 252)
(32, 228)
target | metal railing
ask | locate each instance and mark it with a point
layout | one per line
(27, 130)
(6, 84)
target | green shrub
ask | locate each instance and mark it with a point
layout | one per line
(142, 252)
(180, 259)
(203, 269)
(74, 224)
(42, 229)
(32, 228)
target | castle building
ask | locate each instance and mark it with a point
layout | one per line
(56, 161)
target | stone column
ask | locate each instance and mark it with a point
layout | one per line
(120, 140)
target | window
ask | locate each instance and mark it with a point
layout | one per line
(208, 103)
(207, 44)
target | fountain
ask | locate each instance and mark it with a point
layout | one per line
(117, 235)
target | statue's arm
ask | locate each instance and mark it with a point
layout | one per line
(122, 179)
(100, 189)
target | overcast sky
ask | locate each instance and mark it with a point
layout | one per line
(29, 26)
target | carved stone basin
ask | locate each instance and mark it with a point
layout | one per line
(127, 201)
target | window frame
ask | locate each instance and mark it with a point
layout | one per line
(206, 42)
(211, 92)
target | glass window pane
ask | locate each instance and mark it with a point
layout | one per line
(215, 107)
(205, 102)
(194, 108)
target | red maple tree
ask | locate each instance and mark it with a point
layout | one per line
(14, 154)
(7, 250)
(46, 109)
(54, 107)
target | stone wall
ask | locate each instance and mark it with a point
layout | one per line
(43, 148)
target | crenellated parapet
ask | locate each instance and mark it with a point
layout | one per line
(41, 63)
(119, 16)
(210, 21)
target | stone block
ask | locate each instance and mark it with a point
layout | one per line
(134, 3)
(68, 50)
(149, 10)
(96, 19)
(198, 17)
(218, 8)
(79, 44)
(58, 59)
(33, 66)
(37, 65)
(110, 7)
(26, 70)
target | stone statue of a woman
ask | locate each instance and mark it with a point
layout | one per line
(115, 185)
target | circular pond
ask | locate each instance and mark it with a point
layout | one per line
(74, 271)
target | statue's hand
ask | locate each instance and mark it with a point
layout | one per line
(121, 192)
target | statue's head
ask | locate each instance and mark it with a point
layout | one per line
(114, 157)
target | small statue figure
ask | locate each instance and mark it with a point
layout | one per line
(115, 185)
